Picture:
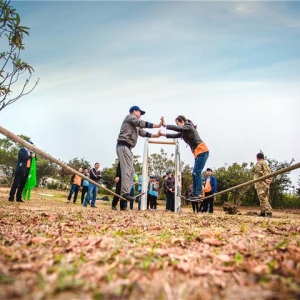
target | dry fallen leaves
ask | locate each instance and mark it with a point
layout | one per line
(51, 250)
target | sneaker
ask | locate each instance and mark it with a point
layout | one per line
(94, 206)
(128, 197)
(11, 200)
(21, 200)
(113, 208)
(124, 208)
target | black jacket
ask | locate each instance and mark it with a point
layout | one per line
(187, 132)
(23, 158)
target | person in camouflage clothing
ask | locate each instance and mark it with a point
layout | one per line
(263, 187)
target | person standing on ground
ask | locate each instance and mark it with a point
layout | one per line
(84, 185)
(263, 187)
(170, 191)
(210, 188)
(21, 173)
(187, 131)
(123, 203)
(76, 183)
(95, 175)
(131, 128)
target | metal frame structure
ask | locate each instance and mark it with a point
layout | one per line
(177, 175)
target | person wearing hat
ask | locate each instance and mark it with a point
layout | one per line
(186, 130)
(210, 188)
(263, 187)
(131, 128)
(21, 173)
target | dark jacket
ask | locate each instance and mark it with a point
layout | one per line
(23, 158)
(187, 132)
(170, 183)
(95, 175)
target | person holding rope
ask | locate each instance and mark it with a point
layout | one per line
(187, 131)
(131, 128)
(263, 187)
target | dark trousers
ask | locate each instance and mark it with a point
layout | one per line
(153, 202)
(123, 203)
(83, 192)
(207, 205)
(195, 206)
(18, 185)
(74, 190)
(170, 201)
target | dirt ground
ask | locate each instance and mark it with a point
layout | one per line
(53, 250)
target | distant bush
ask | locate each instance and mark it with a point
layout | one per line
(287, 201)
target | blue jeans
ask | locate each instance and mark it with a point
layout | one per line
(200, 161)
(92, 193)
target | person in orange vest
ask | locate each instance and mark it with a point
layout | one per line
(21, 173)
(210, 188)
(76, 183)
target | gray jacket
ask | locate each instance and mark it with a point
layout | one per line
(131, 128)
(187, 132)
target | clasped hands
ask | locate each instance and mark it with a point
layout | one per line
(162, 123)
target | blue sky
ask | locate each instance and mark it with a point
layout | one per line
(231, 67)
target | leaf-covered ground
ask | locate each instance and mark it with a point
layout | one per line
(53, 250)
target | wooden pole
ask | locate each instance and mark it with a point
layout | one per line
(281, 171)
(19, 140)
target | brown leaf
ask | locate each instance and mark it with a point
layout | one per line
(212, 242)
(39, 239)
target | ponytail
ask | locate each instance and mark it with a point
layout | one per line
(182, 118)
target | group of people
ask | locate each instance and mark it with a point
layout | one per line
(88, 190)
(132, 127)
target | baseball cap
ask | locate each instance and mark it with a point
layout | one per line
(136, 108)
(168, 172)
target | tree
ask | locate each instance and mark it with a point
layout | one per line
(77, 163)
(232, 176)
(13, 68)
(280, 183)
(158, 164)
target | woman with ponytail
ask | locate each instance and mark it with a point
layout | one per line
(187, 131)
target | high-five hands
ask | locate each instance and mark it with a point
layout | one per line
(162, 121)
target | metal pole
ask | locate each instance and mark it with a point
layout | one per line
(177, 191)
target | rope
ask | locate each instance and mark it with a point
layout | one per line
(19, 140)
(284, 170)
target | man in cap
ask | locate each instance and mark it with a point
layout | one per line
(131, 128)
(21, 173)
